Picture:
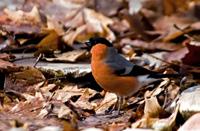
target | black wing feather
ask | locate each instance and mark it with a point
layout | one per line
(123, 67)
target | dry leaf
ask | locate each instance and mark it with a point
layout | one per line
(50, 128)
(189, 101)
(98, 23)
(104, 7)
(135, 6)
(67, 92)
(171, 6)
(49, 43)
(108, 101)
(166, 24)
(151, 45)
(152, 108)
(5, 64)
(22, 17)
(71, 56)
(64, 112)
(192, 57)
(71, 36)
(191, 124)
(176, 55)
(167, 124)
(83, 101)
(93, 129)
(6, 57)
(24, 81)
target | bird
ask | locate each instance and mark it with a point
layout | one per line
(114, 73)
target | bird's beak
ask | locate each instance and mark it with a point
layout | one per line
(88, 45)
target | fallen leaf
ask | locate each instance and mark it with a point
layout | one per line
(135, 6)
(98, 23)
(189, 101)
(22, 22)
(6, 57)
(170, 7)
(71, 56)
(104, 7)
(49, 43)
(93, 129)
(21, 17)
(167, 123)
(83, 102)
(176, 55)
(152, 108)
(166, 24)
(23, 81)
(5, 64)
(191, 124)
(150, 45)
(63, 112)
(108, 101)
(50, 128)
(192, 57)
(71, 36)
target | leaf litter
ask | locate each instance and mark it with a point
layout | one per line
(46, 80)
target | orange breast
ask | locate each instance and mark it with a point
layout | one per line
(121, 85)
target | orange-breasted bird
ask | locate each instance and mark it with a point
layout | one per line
(113, 72)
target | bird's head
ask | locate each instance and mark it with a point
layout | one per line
(97, 40)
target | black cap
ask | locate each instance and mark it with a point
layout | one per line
(96, 40)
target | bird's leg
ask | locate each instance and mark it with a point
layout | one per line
(123, 101)
(115, 106)
(119, 104)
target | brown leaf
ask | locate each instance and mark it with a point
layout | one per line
(71, 36)
(150, 45)
(94, 23)
(5, 64)
(67, 92)
(21, 17)
(71, 56)
(166, 24)
(189, 101)
(191, 124)
(107, 102)
(98, 23)
(50, 42)
(6, 57)
(83, 101)
(104, 7)
(25, 112)
(192, 57)
(135, 6)
(23, 81)
(189, 55)
(22, 22)
(167, 123)
(176, 55)
(152, 108)
(171, 6)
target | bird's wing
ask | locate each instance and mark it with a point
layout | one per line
(123, 67)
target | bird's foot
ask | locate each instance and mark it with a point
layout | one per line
(111, 110)
(115, 114)
(116, 108)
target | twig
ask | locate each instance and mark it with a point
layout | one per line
(163, 60)
(183, 31)
(38, 59)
